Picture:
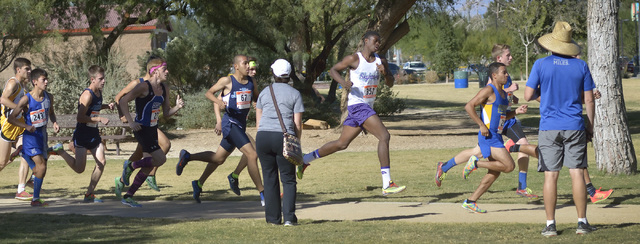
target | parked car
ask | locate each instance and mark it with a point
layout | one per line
(395, 69)
(415, 66)
(630, 67)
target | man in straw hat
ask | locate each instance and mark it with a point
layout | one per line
(560, 82)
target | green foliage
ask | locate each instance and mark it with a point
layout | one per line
(21, 26)
(431, 76)
(197, 112)
(328, 112)
(387, 102)
(446, 56)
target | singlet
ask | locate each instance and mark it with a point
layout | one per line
(93, 111)
(148, 107)
(37, 116)
(238, 102)
(15, 97)
(512, 121)
(365, 80)
(494, 114)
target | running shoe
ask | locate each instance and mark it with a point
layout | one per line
(196, 190)
(549, 231)
(55, 149)
(130, 202)
(119, 187)
(39, 203)
(392, 188)
(584, 228)
(30, 181)
(262, 198)
(439, 174)
(508, 144)
(470, 167)
(24, 195)
(472, 207)
(601, 195)
(300, 170)
(233, 184)
(151, 181)
(126, 172)
(91, 198)
(289, 223)
(182, 162)
(526, 193)
(15, 154)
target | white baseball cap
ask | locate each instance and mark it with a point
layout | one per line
(281, 68)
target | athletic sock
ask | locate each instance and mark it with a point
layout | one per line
(514, 148)
(145, 162)
(469, 201)
(234, 175)
(21, 187)
(137, 182)
(551, 222)
(386, 176)
(522, 180)
(37, 185)
(448, 165)
(307, 158)
(583, 220)
(591, 189)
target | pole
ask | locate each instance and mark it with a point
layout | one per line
(636, 60)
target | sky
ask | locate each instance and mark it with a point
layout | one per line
(480, 9)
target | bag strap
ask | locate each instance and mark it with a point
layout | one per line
(275, 104)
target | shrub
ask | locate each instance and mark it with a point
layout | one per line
(431, 77)
(197, 112)
(387, 103)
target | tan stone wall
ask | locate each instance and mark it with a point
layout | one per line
(131, 45)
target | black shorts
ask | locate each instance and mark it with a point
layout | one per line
(514, 132)
(88, 138)
(147, 137)
(235, 138)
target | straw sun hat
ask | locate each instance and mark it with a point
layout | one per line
(559, 41)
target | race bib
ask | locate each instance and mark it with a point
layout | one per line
(370, 93)
(155, 114)
(502, 109)
(38, 118)
(243, 99)
(93, 115)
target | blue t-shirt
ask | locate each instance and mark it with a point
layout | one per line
(562, 81)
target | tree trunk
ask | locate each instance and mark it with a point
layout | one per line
(612, 140)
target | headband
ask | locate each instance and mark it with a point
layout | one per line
(252, 64)
(155, 67)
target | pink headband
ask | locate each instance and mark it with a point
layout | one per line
(155, 67)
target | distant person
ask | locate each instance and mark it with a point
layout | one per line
(561, 82)
(269, 143)
(37, 107)
(14, 89)
(365, 68)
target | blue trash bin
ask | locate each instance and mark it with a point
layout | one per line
(461, 79)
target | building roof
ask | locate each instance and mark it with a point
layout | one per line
(113, 18)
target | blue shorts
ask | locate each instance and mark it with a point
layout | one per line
(35, 143)
(88, 138)
(358, 114)
(233, 137)
(486, 143)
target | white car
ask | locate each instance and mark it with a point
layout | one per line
(415, 67)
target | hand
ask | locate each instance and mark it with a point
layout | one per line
(515, 100)
(179, 102)
(512, 88)
(104, 120)
(218, 129)
(589, 132)
(381, 69)
(123, 119)
(221, 105)
(56, 127)
(30, 128)
(135, 126)
(596, 94)
(522, 109)
(348, 85)
(484, 131)
(112, 106)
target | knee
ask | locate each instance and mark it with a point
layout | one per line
(523, 141)
(159, 160)
(385, 137)
(342, 145)
(509, 167)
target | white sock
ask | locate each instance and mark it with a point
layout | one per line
(583, 220)
(307, 158)
(21, 187)
(550, 222)
(386, 176)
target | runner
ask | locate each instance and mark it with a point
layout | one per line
(163, 141)
(365, 68)
(86, 136)
(14, 90)
(149, 97)
(237, 101)
(38, 109)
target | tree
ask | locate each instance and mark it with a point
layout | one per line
(527, 19)
(68, 13)
(612, 140)
(447, 51)
(21, 26)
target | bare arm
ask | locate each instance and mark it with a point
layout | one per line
(138, 91)
(13, 117)
(216, 111)
(222, 83)
(8, 90)
(480, 98)
(258, 116)
(386, 72)
(167, 110)
(350, 61)
(121, 94)
(297, 120)
(530, 94)
(590, 105)
(83, 107)
(52, 115)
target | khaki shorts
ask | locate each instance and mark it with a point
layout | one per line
(559, 148)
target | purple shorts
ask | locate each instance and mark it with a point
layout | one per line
(358, 114)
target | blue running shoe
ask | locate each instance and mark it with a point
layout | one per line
(262, 198)
(182, 162)
(126, 172)
(233, 184)
(196, 190)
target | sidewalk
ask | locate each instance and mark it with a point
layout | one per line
(356, 211)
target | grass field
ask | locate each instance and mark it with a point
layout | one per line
(352, 176)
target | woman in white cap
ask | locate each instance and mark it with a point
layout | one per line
(269, 144)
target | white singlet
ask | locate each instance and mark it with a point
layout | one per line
(365, 80)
